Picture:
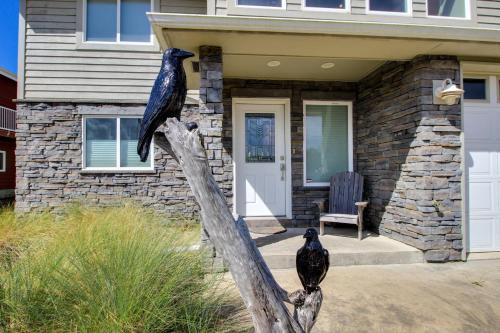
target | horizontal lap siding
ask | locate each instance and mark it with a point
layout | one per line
(56, 69)
(184, 6)
(488, 13)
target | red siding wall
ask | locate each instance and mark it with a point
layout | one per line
(8, 178)
(8, 92)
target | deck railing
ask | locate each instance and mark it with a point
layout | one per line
(7, 119)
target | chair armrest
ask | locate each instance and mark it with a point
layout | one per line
(321, 204)
(362, 204)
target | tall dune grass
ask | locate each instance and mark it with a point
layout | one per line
(106, 270)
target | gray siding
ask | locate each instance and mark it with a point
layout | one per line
(184, 6)
(55, 68)
(488, 13)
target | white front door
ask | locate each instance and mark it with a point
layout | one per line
(260, 160)
(482, 157)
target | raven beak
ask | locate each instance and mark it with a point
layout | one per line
(184, 54)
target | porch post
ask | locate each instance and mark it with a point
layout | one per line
(211, 124)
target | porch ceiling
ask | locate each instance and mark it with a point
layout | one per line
(249, 46)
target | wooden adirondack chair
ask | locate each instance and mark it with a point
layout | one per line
(344, 203)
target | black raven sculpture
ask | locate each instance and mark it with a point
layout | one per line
(166, 100)
(312, 261)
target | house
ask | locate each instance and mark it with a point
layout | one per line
(8, 89)
(286, 93)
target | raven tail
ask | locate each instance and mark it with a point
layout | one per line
(143, 147)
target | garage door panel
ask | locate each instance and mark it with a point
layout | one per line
(483, 238)
(480, 163)
(477, 125)
(481, 197)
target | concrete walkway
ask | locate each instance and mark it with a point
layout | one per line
(434, 298)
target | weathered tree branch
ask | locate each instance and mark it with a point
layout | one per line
(263, 296)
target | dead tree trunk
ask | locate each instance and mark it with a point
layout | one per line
(262, 295)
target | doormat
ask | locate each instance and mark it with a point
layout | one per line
(265, 227)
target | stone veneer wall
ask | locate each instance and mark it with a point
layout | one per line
(409, 151)
(49, 164)
(303, 210)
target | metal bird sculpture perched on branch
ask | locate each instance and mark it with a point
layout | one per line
(167, 98)
(312, 261)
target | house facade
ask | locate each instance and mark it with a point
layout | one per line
(286, 93)
(8, 90)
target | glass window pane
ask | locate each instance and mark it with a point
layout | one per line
(475, 88)
(335, 4)
(396, 6)
(268, 3)
(129, 135)
(100, 142)
(259, 137)
(449, 8)
(101, 20)
(326, 141)
(134, 24)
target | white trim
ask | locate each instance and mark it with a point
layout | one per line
(347, 8)
(3, 157)
(21, 50)
(117, 168)
(467, 4)
(237, 5)
(408, 12)
(8, 74)
(118, 27)
(288, 150)
(326, 27)
(350, 152)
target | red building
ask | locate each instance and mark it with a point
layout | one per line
(8, 92)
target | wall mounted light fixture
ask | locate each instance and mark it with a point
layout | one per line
(446, 92)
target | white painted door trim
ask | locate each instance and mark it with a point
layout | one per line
(288, 151)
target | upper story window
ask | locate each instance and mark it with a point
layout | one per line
(117, 21)
(389, 6)
(448, 8)
(261, 3)
(333, 5)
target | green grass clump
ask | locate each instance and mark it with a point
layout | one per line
(105, 270)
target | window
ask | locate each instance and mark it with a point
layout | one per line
(3, 161)
(326, 4)
(259, 137)
(475, 89)
(117, 21)
(389, 6)
(327, 141)
(111, 143)
(261, 3)
(448, 8)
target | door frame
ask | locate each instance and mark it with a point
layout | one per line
(288, 150)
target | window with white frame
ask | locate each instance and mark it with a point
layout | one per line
(327, 141)
(3, 161)
(117, 21)
(111, 144)
(326, 4)
(448, 8)
(261, 3)
(476, 89)
(389, 6)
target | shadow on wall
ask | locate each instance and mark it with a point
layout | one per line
(409, 151)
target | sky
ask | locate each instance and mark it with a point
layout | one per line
(9, 10)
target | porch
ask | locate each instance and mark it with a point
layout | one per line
(280, 250)
(392, 132)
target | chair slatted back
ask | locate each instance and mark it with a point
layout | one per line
(346, 188)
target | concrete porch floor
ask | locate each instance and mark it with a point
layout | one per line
(345, 249)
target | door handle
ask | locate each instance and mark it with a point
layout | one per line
(283, 170)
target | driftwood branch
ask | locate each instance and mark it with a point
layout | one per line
(263, 296)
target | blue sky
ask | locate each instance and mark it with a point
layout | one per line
(9, 10)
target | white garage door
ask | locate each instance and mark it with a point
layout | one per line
(482, 148)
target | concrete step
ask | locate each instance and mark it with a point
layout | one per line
(345, 249)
